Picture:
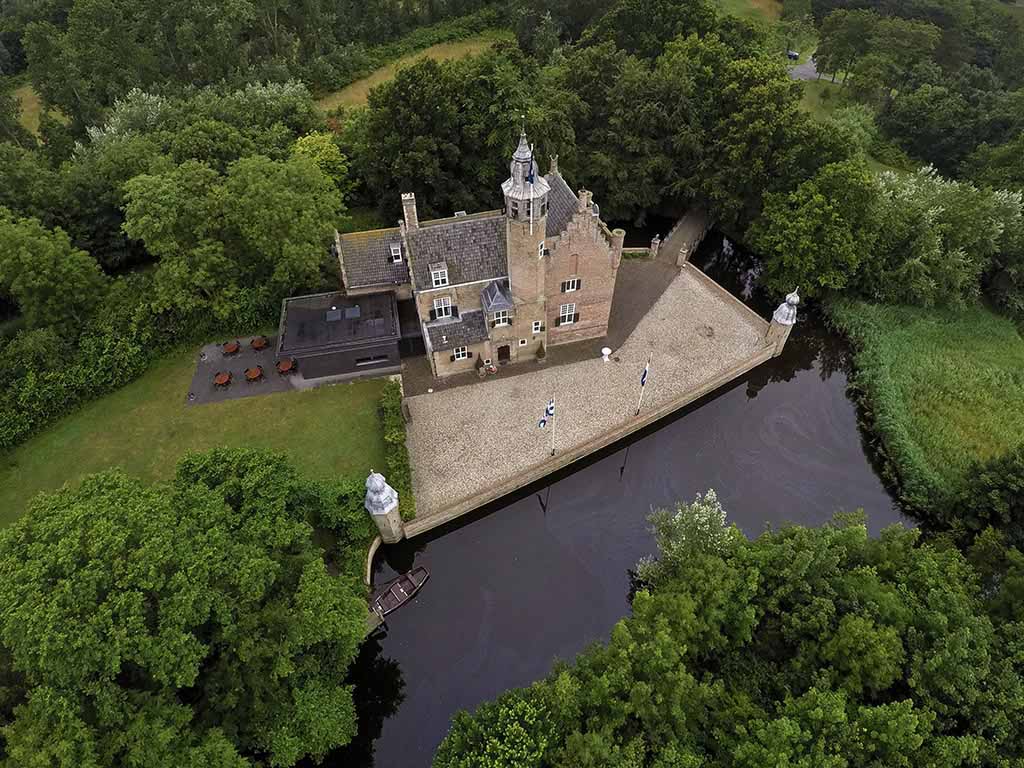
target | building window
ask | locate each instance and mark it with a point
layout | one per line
(567, 314)
(460, 353)
(522, 342)
(570, 285)
(442, 307)
(544, 207)
(439, 277)
(396, 253)
(374, 360)
(513, 209)
(538, 326)
(500, 318)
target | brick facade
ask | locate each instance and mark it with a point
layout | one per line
(549, 236)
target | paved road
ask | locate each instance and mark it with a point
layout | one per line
(805, 71)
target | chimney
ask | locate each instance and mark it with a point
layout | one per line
(585, 199)
(554, 164)
(409, 210)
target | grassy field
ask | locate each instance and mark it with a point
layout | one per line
(31, 107)
(146, 426)
(355, 94)
(753, 9)
(945, 387)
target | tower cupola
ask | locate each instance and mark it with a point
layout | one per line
(525, 190)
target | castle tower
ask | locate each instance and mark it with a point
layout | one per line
(782, 323)
(382, 504)
(526, 211)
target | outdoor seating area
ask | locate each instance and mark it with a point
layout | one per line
(244, 367)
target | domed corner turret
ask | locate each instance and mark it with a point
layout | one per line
(786, 313)
(525, 190)
(382, 504)
(783, 320)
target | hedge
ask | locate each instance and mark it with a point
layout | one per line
(396, 454)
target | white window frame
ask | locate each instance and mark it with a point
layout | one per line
(502, 318)
(396, 253)
(439, 277)
(523, 342)
(513, 209)
(537, 325)
(566, 312)
(442, 307)
(461, 353)
(571, 285)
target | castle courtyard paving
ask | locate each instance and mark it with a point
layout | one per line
(472, 444)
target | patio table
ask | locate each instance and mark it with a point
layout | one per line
(231, 347)
(222, 379)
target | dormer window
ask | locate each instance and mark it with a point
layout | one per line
(439, 276)
(396, 254)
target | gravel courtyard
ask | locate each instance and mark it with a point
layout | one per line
(465, 440)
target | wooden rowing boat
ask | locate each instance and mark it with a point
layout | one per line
(397, 593)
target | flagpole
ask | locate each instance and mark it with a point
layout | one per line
(552, 431)
(643, 387)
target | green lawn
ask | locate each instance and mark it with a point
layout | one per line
(753, 9)
(146, 426)
(355, 94)
(946, 387)
(31, 107)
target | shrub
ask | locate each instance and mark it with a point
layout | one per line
(396, 454)
(44, 381)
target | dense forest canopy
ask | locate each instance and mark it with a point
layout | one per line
(823, 648)
(184, 180)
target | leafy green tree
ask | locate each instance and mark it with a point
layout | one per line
(262, 228)
(803, 647)
(323, 149)
(662, 21)
(816, 236)
(844, 36)
(192, 622)
(440, 129)
(52, 282)
(27, 185)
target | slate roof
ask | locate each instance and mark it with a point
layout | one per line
(468, 328)
(366, 256)
(328, 321)
(473, 248)
(562, 204)
(496, 295)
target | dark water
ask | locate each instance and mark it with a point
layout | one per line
(541, 576)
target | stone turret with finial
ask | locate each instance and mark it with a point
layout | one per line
(782, 323)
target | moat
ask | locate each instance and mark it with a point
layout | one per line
(539, 576)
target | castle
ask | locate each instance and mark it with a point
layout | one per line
(499, 286)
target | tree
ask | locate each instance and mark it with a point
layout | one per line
(662, 21)
(322, 148)
(52, 282)
(816, 236)
(263, 227)
(192, 622)
(28, 186)
(844, 36)
(936, 238)
(803, 647)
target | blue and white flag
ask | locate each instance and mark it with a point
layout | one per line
(548, 413)
(643, 376)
